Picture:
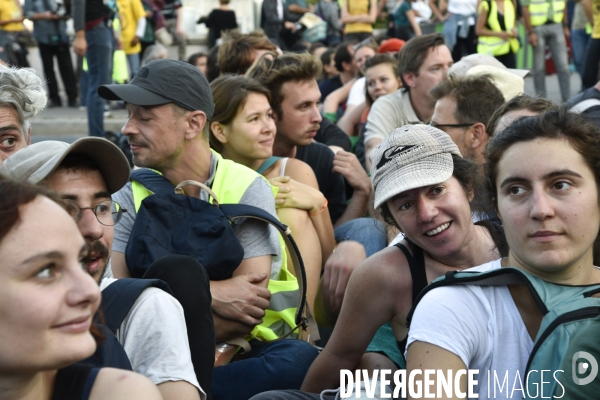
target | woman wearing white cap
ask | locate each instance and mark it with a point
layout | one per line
(550, 211)
(422, 186)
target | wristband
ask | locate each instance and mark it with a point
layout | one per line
(321, 210)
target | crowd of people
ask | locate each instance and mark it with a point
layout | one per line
(392, 162)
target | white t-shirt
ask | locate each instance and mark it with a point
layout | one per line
(463, 7)
(155, 339)
(357, 92)
(482, 326)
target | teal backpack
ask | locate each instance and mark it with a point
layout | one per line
(569, 335)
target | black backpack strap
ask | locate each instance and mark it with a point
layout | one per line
(235, 211)
(119, 297)
(152, 181)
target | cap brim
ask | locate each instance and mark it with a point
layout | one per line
(522, 73)
(113, 164)
(132, 94)
(412, 176)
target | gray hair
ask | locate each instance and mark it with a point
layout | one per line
(154, 52)
(23, 90)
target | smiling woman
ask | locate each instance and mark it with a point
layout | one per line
(550, 211)
(47, 302)
(242, 129)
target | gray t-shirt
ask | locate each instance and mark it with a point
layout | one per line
(388, 113)
(256, 237)
(154, 337)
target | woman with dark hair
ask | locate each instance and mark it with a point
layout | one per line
(242, 129)
(423, 187)
(550, 210)
(47, 302)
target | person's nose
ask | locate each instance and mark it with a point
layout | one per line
(541, 205)
(90, 228)
(427, 210)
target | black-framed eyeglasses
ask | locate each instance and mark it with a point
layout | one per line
(107, 212)
(439, 126)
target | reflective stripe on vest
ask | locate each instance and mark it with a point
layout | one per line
(230, 182)
(495, 46)
(539, 9)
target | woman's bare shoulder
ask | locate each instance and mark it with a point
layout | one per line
(301, 172)
(118, 384)
(389, 265)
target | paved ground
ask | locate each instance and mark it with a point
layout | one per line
(69, 124)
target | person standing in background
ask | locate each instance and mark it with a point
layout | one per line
(580, 34)
(545, 22)
(133, 27)
(94, 39)
(219, 19)
(11, 22)
(173, 13)
(497, 31)
(358, 17)
(590, 69)
(50, 30)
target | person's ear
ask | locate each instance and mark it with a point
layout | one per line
(196, 121)
(410, 79)
(218, 132)
(470, 193)
(478, 136)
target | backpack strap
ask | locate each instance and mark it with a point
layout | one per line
(498, 277)
(267, 164)
(585, 105)
(119, 297)
(235, 211)
(152, 181)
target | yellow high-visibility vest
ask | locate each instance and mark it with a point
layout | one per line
(229, 184)
(539, 11)
(493, 45)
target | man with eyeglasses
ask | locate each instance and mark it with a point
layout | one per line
(462, 109)
(85, 174)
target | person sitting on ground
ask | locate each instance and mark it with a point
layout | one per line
(22, 97)
(242, 130)
(238, 52)
(291, 78)
(168, 132)
(431, 206)
(423, 62)
(355, 105)
(329, 68)
(86, 173)
(550, 211)
(200, 61)
(381, 75)
(462, 108)
(47, 304)
(362, 52)
(519, 106)
(346, 70)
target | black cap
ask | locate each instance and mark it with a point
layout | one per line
(165, 81)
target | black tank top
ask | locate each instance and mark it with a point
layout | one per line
(416, 263)
(74, 382)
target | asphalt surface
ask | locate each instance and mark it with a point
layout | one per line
(68, 124)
